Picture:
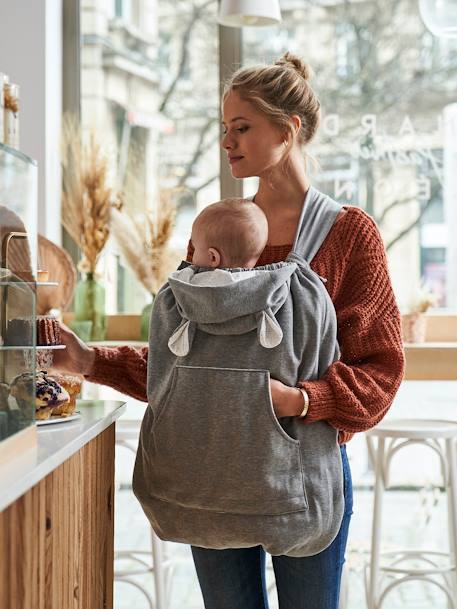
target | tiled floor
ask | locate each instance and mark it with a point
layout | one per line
(411, 519)
(405, 525)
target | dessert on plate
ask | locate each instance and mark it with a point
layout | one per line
(72, 385)
(48, 393)
(20, 331)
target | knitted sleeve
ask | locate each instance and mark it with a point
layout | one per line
(190, 251)
(123, 368)
(356, 392)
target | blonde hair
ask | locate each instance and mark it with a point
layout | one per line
(280, 91)
(237, 228)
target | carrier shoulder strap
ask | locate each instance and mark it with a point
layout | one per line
(317, 218)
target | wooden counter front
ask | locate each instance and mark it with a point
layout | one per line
(56, 540)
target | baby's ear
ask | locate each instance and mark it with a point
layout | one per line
(215, 257)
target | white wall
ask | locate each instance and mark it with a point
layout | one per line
(31, 54)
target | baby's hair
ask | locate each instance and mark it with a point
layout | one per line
(237, 228)
(280, 91)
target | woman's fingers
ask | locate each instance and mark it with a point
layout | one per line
(77, 357)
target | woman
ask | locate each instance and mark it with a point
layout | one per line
(270, 115)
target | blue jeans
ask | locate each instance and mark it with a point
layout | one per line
(235, 578)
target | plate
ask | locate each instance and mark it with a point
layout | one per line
(56, 419)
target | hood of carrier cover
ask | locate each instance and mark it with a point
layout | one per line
(230, 301)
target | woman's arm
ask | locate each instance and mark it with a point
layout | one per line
(123, 368)
(356, 392)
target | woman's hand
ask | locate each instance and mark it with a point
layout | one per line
(287, 401)
(77, 358)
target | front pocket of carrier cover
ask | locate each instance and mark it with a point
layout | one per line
(218, 446)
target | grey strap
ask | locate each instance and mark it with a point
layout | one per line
(317, 218)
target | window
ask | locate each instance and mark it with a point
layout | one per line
(149, 75)
(385, 85)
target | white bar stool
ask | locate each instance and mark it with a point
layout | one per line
(439, 568)
(155, 561)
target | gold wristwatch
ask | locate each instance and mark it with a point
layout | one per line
(305, 395)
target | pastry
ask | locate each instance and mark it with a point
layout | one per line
(42, 276)
(72, 384)
(47, 330)
(48, 393)
(19, 331)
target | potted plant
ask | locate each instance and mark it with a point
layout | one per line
(414, 323)
(143, 240)
(87, 202)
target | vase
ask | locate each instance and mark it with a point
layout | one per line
(90, 316)
(414, 327)
(145, 318)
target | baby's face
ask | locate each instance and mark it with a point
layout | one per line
(203, 255)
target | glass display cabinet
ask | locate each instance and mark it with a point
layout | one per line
(18, 251)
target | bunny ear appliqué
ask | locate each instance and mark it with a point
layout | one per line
(268, 330)
(180, 341)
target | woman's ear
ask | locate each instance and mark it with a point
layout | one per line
(214, 257)
(296, 123)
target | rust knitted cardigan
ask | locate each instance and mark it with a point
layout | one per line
(356, 391)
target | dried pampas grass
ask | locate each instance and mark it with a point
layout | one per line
(143, 240)
(87, 197)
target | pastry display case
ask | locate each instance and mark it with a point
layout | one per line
(18, 231)
(18, 290)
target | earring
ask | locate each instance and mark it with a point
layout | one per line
(286, 143)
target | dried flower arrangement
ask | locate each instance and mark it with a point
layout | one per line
(423, 299)
(87, 197)
(144, 241)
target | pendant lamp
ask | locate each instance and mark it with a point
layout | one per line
(440, 17)
(237, 13)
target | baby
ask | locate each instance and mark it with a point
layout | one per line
(229, 234)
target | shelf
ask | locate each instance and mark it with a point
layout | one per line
(30, 347)
(37, 283)
(431, 361)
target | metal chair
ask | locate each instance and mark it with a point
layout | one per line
(155, 561)
(387, 570)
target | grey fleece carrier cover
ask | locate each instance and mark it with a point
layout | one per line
(215, 467)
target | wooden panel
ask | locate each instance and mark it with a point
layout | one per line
(441, 328)
(56, 541)
(118, 327)
(431, 361)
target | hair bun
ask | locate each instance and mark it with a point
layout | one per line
(292, 61)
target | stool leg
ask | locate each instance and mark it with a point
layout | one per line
(344, 588)
(451, 457)
(375, 556)
(158, 572)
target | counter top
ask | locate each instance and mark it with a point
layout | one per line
(55, 444)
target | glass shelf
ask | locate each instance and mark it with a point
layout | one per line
(29, 347)
(37, 283)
